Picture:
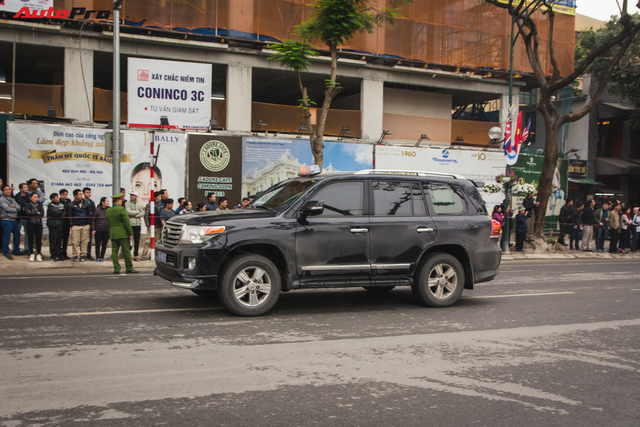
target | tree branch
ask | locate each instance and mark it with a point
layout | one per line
(572, 117)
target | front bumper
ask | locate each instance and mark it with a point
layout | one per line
(176, 270)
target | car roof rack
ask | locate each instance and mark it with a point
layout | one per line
(406, 172)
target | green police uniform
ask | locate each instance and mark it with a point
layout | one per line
(119, 232)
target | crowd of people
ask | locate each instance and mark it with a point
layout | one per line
(78, 222)
(588, 225)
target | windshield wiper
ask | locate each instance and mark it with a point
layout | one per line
(263, 207)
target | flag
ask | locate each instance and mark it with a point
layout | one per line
(513, 143)
(507, 137)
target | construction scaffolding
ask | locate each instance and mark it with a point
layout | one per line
(452, 33)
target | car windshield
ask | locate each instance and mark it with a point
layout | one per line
(281, 196)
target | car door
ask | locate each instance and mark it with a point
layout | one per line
(401, 229)
(448, 208)
(335, 242)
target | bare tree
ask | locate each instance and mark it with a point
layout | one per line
(522, 12)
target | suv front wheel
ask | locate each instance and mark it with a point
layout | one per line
(440, 281)
(250, 285)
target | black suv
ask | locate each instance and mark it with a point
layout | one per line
(375, 229)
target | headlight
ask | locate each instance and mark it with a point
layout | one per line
(198, 234)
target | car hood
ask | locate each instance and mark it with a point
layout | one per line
(210, 217)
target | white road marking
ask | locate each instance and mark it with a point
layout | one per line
(92, 313)
(168, 310)
(521, 295)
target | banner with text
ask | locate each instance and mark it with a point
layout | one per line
(16, 5)
(74, 157)
(179, 91)
(215, 163)
(477, 165)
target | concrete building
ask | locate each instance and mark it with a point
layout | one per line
(422, 76)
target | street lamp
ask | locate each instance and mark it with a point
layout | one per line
(495, 134)
(117, 141)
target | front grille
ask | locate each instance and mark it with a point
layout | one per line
(171, 234)
(171, 259)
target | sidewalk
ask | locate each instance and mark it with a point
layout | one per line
(541, 249)
(20, 265)
(517, 256)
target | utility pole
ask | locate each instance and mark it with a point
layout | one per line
(117, 140)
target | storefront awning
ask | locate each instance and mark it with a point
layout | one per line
(586, 181)
(609, 110)
(613, 166)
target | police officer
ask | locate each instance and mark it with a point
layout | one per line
(120, 233)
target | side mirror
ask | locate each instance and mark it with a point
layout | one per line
(312, 208)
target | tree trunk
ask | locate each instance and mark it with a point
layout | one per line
(317, 145)
(548, 166)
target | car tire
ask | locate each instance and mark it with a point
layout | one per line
(250, 285)
(440, 281)
(379, 290)
(205, 293)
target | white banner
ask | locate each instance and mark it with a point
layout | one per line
(73, 157)
(181, 91)
(477, 165)
(16, 5)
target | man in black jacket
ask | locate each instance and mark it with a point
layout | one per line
(86, 192)
(66, 224)
(22, 198)
(564, 219)
(81, 213)
(55, 221)
(588, 221)
(530, 204)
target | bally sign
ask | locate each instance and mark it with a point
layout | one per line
(179, 91)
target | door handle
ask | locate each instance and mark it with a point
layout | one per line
(359, 230)
(424, 230)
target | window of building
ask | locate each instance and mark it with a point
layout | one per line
(605, 143)
(529, 98)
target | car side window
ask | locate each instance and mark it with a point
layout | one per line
(392, 198)
(342, 199)
(445, 199)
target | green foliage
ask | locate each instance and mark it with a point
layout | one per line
(293, 55)
(625, 78)
(306, 103)
(331, 84)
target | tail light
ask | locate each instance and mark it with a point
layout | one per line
(495, 229)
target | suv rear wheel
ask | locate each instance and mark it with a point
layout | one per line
(440, 281)
(250, 285)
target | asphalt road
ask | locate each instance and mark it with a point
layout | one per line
(546, 343)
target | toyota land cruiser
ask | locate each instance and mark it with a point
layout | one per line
(374, 229)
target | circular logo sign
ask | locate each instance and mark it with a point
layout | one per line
(215, 156)
(445, 153)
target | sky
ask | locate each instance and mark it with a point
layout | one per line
(603, 9)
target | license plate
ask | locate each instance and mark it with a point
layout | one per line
(162, 256)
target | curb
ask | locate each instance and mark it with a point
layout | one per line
(20, 265)
(564, 256)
